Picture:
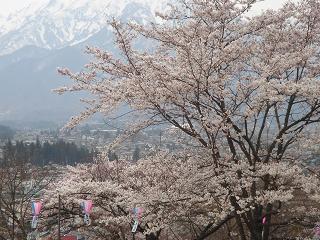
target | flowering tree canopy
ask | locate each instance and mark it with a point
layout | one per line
(244, 90)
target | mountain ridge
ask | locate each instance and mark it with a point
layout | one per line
(56, 24)
(28, 63)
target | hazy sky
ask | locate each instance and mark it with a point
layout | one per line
(8, 6)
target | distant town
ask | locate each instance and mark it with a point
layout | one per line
(91, 138)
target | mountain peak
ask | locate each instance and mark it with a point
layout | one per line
(55, 24)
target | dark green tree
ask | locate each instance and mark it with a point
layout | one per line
(6, 133)
(136, 154)
(112, 156)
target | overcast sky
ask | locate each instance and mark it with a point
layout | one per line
(8, 6)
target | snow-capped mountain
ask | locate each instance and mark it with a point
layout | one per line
(53, 33)
(54, 24)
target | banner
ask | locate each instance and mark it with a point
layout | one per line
(36, 209)
(137, 213)
(87, 206)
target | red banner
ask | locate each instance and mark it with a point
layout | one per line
(69, 238)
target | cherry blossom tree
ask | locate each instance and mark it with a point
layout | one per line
(242, 91)
(21, 184)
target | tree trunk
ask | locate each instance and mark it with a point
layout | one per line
(266, 227)
(153, 236)
(257, 227)
(238, 218)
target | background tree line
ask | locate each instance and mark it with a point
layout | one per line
(6, 133)
(42, 154)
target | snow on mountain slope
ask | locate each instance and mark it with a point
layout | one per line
(55, 24)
